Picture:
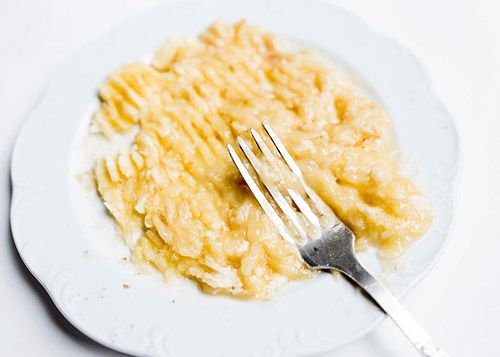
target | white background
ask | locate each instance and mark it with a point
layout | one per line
(459, 44)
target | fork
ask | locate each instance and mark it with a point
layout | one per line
(323, 241)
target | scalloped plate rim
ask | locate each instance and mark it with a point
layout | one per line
(43, 99)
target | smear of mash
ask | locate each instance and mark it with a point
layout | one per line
(177, 185)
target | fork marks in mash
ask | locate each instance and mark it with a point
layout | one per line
(176, 183)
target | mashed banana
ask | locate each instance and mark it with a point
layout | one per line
(178, 186)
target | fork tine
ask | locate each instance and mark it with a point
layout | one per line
(262, 145)
(281, 149)
(275, 193)
(327, 218)
(259, 196)
(299, 201)
(304, 208)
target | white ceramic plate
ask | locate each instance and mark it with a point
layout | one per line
(67, 240)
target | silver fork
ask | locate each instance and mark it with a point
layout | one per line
(322, 240)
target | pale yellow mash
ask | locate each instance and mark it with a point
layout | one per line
(177, 185)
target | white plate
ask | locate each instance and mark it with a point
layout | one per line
(67, 241)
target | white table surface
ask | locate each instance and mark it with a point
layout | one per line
(459, 44)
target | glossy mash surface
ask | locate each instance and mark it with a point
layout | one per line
(177, 185)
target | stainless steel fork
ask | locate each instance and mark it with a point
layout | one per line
(322, 240)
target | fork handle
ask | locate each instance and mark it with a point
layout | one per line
(387, 302)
